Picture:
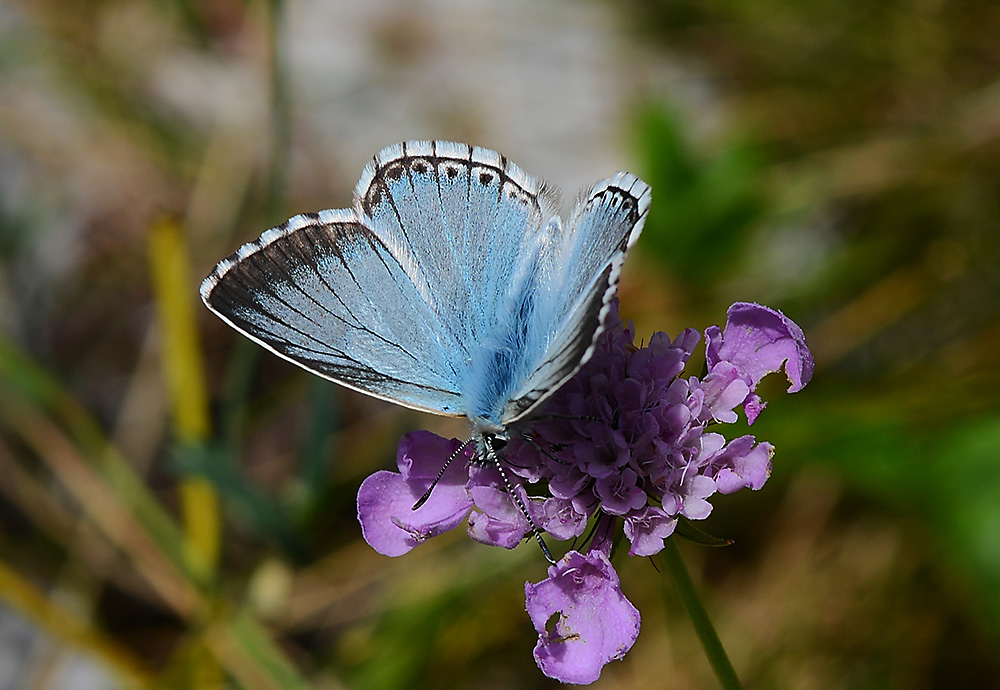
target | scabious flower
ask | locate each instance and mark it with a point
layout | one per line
(626, 441)
(592, 622)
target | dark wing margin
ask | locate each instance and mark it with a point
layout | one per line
(324, 293)
(585, 269)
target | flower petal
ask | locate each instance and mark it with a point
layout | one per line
(647, 529)
(619, 493)
(560, 518)
(743, 465)
(498, 521)
(385, 499)
(760, 341)
(582, 618)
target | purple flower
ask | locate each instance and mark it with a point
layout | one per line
(628, 436)
(758, 341)
(582, 618)
(497, 520)
(385, 499)
(646, 529)
(628, 440)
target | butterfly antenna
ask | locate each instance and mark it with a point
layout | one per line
(517, 500)
(427, 494)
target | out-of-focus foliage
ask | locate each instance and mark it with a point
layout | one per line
(878, 152)
(706, 205)
(178, 508)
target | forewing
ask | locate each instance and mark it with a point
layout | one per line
(324, 292)
(578, 274)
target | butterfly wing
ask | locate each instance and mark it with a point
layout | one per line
(394, 296)
(573, 282)
(450, 287)
(323, 292)
(465, 222)
(458, 218)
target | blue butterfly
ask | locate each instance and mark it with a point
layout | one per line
(451, 286)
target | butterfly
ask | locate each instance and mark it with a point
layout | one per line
(451, 286)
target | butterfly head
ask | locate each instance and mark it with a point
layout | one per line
(490, 437)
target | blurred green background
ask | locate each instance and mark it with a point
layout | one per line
(177, 508)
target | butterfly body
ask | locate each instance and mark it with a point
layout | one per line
(451, 286)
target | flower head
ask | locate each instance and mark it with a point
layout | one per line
(627, 439)
(627, 436)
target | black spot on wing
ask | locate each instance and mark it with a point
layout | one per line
(378, 190)
(619, 198)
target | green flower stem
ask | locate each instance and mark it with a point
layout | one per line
(699, 618)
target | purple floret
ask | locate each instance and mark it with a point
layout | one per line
(582, 618)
